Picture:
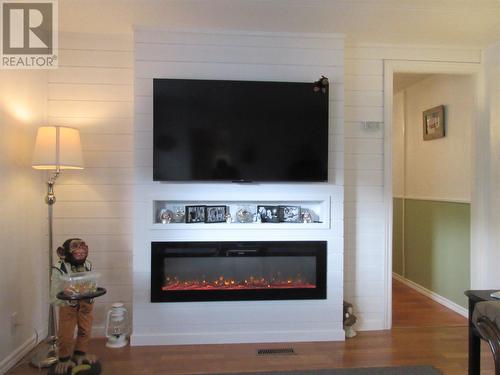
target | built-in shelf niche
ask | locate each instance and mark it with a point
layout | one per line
(318, 207)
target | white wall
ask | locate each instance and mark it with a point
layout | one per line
(92, 90)
(23, 244)
(438, 169)
(489, 276)
(366, 281)
(240, 56)
(398, 144)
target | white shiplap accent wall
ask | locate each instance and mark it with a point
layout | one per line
(365, 204)
(92, 90)
(239, 56)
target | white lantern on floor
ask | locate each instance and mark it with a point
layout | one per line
(117, 326)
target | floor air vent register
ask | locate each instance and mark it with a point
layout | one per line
(276, 351)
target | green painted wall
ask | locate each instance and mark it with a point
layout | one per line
(436, 246)
(397, 236)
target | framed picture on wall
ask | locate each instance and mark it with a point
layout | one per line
(433, 123)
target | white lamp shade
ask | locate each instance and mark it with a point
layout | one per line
(57, 147)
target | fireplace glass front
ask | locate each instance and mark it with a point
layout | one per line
(231, 271)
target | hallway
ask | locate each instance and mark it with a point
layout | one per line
(412, 309)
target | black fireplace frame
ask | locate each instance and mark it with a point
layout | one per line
(318, 249)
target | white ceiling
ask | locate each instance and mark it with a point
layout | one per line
(473, 23)
(402, 81)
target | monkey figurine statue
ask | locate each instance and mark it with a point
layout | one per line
(73, 355)
(349, 320)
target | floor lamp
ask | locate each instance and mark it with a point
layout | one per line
(56, 148)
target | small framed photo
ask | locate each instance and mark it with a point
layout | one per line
(289, 214)
(433, 123)
(195, 214)
(268, 214)
(216, 214)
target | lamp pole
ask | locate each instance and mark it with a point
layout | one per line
(56, 148)
(46, 355)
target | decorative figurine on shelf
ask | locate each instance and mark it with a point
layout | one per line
(166, 216)
(229, 218)
(75, 309)
(306, 217)
(349, 320)
(321, 85)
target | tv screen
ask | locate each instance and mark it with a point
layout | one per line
(242, 131)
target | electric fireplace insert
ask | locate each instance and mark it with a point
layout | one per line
(237, 271)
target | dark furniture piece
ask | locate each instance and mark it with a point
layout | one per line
(476, 296)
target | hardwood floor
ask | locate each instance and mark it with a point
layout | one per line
(416, 339)
(412, 309)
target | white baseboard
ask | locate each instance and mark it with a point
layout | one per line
(434, 296)
(8, 362)
(98, 331)
(235, 338)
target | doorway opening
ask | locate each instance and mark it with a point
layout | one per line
(431, 191)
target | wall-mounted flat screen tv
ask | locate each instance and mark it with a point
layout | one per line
(242, 131)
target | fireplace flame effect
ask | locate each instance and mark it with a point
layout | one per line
(221, 283)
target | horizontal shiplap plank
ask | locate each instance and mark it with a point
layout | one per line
(363, 178)
(284, 40)
(363, 146)
(82, 227)
(97, 176)
(92, 42)
(100, 109)
(103, 260)
(365, 225)
(363, 161)
(90, 92)
(364, 98)
(99, 193)
(355, 129)
(167, 53)
(355, 288)
(353, 256)
(363, 82)
(102, 159)
(364, 209)
(95, 58)
(364, 67)
(412, 53)
(106, 245)
(114, 276)
(93, 210)
(364, 113)
(262, 72)
(116, 76)
(363, 194)
(96, 125)
(106, 142)
(359, 238)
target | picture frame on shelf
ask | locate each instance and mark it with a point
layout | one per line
(433, 123)
(289, 214)
(215, 214)
(195, 214)
(268, 214)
